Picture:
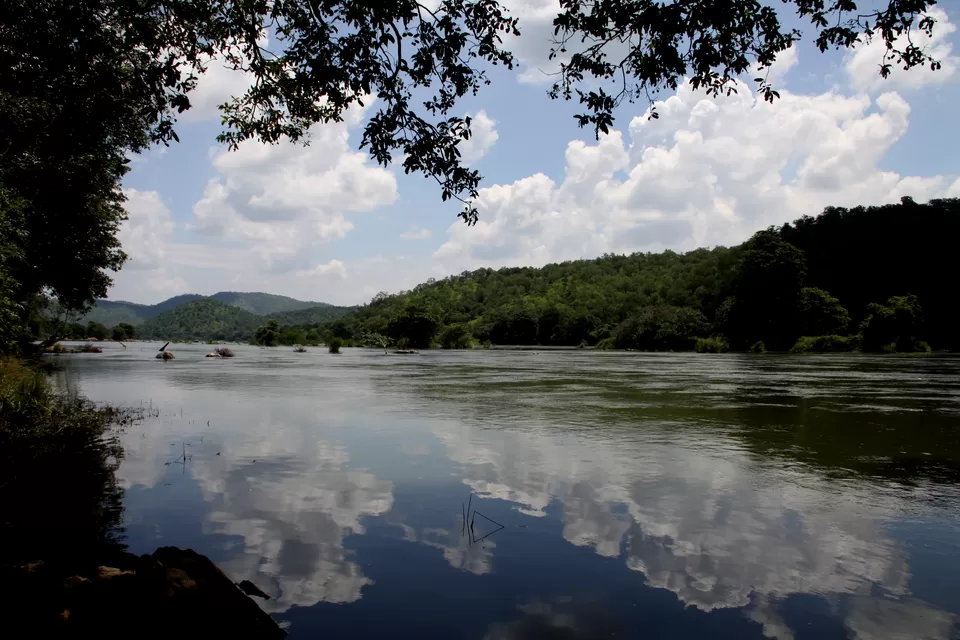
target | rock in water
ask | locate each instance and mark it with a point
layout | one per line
(171, 594)
(251, 589)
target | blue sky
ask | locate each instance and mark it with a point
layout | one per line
(325, 223)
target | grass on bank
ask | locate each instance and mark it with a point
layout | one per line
(60, 499)
(712, 345)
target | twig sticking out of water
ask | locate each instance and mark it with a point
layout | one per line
(471, 516)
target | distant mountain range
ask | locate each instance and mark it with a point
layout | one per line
(110, 312)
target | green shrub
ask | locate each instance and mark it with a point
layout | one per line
(825, 344)
(455, 336)
(894, 326)
(661, 328)
(334, 344)
(23, 391)
(758, 347)
(715, 344)
(292, 336)
(911, 345)
(607, 344)
(269, 334)
(61, 501)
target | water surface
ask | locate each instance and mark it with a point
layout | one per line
(618, 495)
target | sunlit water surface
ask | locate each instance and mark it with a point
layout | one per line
(613, 495)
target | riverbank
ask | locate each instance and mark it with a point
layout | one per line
(64, 570)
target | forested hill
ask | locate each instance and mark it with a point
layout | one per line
(827, 274)
(201, 319)
(561, 304)
(211, 319)
(110, 312)
(264, 304)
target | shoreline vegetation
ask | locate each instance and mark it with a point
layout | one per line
(63, 563)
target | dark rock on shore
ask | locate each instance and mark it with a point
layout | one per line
(172, 593)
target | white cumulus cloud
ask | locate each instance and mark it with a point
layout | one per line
(145, 232)
(145, 237)
(707, 172)
(334, 268)
(219, 84)
(285, 200)
(863, 65)
(483, 135)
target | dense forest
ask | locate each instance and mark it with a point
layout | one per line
(867, 277)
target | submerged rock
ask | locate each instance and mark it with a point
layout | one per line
(172, 593)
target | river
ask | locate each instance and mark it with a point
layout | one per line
(613, 495)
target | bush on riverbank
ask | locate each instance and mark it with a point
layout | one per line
(455, 336)
(606, 344)
(333, 345)
(758, 347)
(825, 344)
(60, 499)
(715, 344)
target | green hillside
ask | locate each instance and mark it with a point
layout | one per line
(558, 304)
(201, 320)
(264, 304)
(312, 315)
(170, 303)
(867, 276)
(112, 312)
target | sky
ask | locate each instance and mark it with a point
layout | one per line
(326, 223)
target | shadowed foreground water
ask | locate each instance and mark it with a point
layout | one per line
(641, 495)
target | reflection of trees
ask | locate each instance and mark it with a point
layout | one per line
(662, 463)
